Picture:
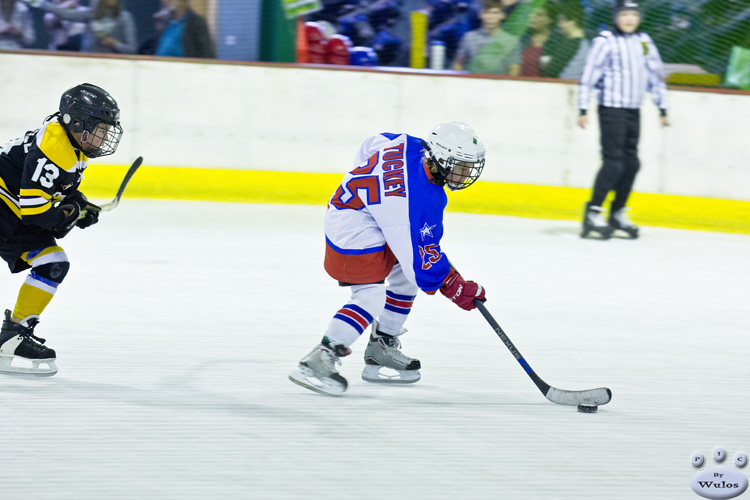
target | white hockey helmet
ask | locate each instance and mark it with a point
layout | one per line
(457, 153)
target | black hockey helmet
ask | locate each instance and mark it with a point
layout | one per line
(621, 5)
(90, 111)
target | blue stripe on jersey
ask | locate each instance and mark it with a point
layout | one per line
(360, 311)
(344, 251)
(350, 321)
(396, 296)
(47, 282)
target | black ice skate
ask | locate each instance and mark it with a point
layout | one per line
(593, 221)
(619, 220)
(317, 370)
(22, 352)
(385, 363)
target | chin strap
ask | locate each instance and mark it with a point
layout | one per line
(437, 177)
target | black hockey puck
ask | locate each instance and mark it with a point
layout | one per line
(588, 408)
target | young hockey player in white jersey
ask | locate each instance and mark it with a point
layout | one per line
(40, 202)
(385, 222)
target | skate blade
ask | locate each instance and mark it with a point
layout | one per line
(596, 234)
(308, 381)
(7, 367)
(633, 235)
(377, 374)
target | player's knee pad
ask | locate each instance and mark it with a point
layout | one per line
(52, 271)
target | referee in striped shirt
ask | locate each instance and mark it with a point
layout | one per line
(622, 65)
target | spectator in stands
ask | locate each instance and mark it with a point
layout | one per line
(463, 19)
(16, 25)
(186, 34)
(65, 35)
(151, 43)
(509, 6)
(538, 34)
(489, 49)
(518, 14)
(109, 28)
(112, 29)
(566, 57)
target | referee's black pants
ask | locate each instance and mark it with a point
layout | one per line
(620, 129)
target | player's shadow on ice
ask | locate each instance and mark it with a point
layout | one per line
(243, 386)
(233, 386)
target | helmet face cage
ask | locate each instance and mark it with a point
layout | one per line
(459, 174)
(102, 141)
(457, 154)
(90, 111)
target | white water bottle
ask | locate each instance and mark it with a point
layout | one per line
(437, 55)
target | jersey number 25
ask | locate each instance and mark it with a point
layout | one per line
(432, 254)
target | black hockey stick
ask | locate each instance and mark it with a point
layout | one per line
(600, 396)
(106, 207)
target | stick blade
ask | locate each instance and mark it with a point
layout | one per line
(596, 397)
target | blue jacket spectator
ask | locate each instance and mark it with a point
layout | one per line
(186, 34)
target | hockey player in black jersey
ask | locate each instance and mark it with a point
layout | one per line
(39, 203)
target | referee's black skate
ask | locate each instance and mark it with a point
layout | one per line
(22, 352)
(593, 222)
(619, 220)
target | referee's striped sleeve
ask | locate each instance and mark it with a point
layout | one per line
(592, 71)
(656, 84)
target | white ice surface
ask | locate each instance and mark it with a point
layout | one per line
(179, 322)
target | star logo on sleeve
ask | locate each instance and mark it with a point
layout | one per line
(426, 230)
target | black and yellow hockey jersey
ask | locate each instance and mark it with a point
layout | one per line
(37, 171)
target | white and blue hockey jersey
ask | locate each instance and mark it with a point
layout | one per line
(387, 209)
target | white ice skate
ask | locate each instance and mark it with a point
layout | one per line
(21, 352)
(317, 370)
(621, 221)
(593, 221)
(385, 363)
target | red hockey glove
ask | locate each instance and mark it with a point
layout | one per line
(462, 292)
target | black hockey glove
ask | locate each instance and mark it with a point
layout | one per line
(88, 219)
(62, 228)
(89, 214)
